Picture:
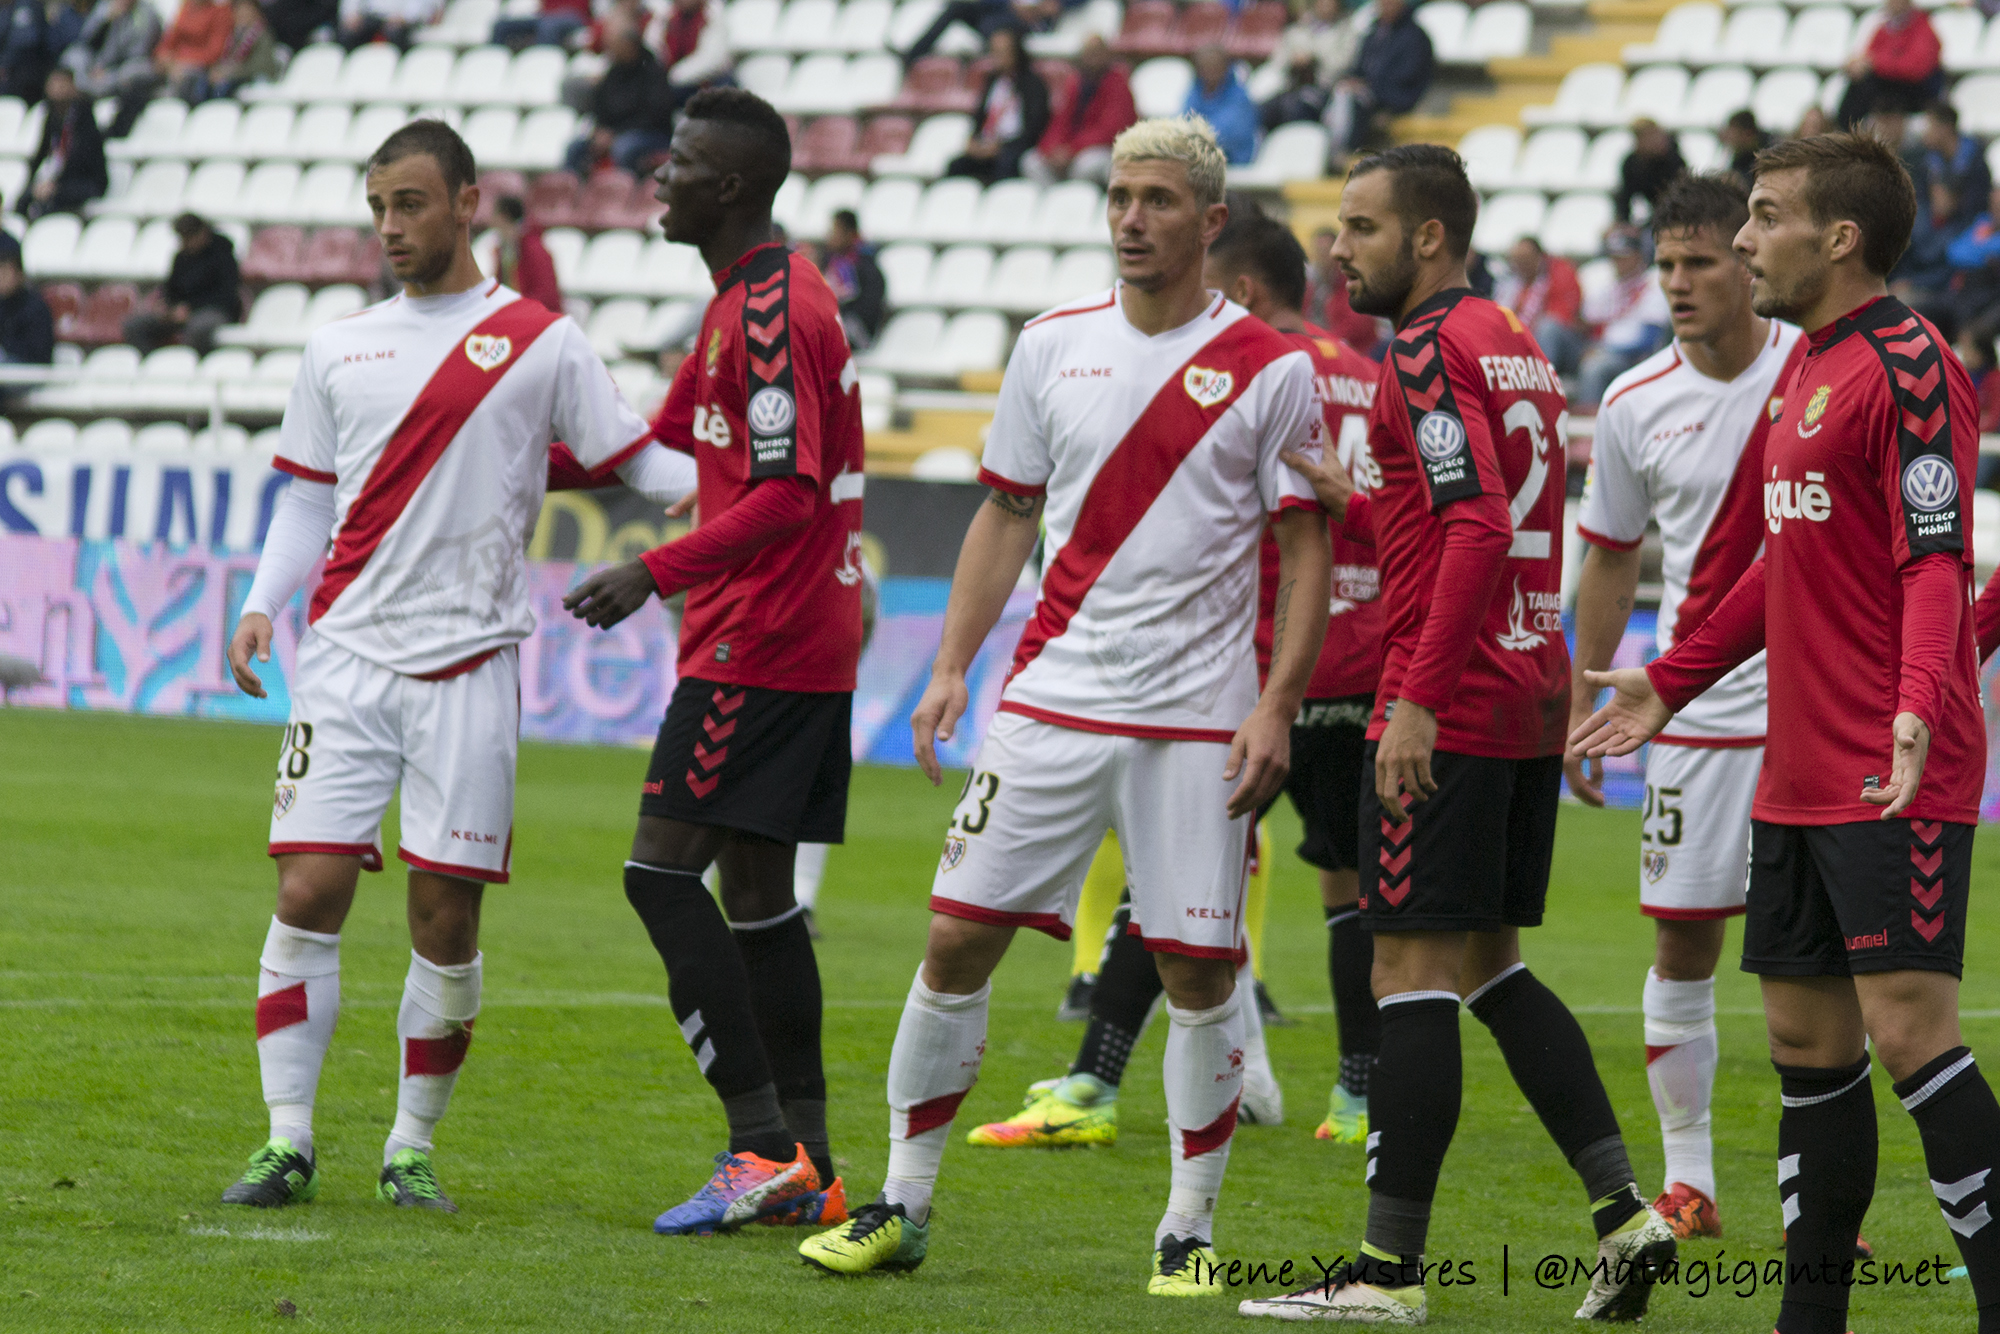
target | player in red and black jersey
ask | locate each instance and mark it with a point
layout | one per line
(1861, 839)
(753, 757)
(1466, 742)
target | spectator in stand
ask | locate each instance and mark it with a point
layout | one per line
(1812, 121)
(1542, 291)
(522, 261)
(1314, 52)
(1219, 97)
(197, 39)
(1326, 300)
(552, 26)
(576, 88)
(856, 279)
(32, 45)
(631, 111)
(1652, 164)
(250, 57)
(1744, 141)
(1010, 117)
(27, 326)
(1975, 350)
(1975, 261)
(694, 48)
(67, 170)
(1922, 277)
(1092, 111)
(1628, 319)
(392, 21)
(987, 16)
(1391, 73)
(1895, 66)
(297, 23)
(1957, 159)
(202, 293)
(113, 55)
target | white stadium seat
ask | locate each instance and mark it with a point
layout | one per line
(765, 75)
(541, 140)
(1716, 93)
(1073, 214)
(671, 270)
(1444, 22)
(310, 75)
(153, 251)
(791, 199)
(368, 74)
(1689, 34)
(365, 133)
(209, 129)
(1506, 218)
(1958, 31)
(424, 75)
(1818, 37)
(1588, 95)
(489, 133)
(1576, 223)
(948, 211)
(613, 323)
(51, 434)
(1020, 279)
(818, 83)
(267, 194)
(1602, 161)
(1654, 93)
(863, 26)
(906, 271)
(104, 249)
(908, 343)
(805, 26)
(111, 434)
(752, 24)
(263, 132)
(1754, 36)
(910, 19)
(479, 76)
(1783, 95)
(1490, 153)
(1498, 29)
(608, 263)
(888, 211)
(975, 340)
(275, 317)
(1989, 47)
(332, 303)
(1295, 152)
(938, 139)
(959, 276)
(828, 195)
(1006, 211)
(162, 437)
(156, 189)
(157, 132)
(13, 117)
(1160, 85)
(1078, 273)
(326, 196)
(319, 128)
(566, 249)
(1977, 98)
(535, 78)
(1551, 159)
(1073, 25)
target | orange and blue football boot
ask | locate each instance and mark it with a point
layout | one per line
(743, 1189)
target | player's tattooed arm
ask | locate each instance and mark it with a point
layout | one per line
(1280, 614)
(1017, 507)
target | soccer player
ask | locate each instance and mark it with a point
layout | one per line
(754, 754)
(1681, 438)
(1150, 418)
(418, 436)
(1861, 844)
(1466, 743)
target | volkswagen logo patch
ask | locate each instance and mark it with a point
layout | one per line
(771, 411)
(1929, 483)
(1439, 436)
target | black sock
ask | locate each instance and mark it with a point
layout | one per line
(1413, 1113)
(1960, 1121)
(1350, 959)
(710, 993)
(1128, 982)
(783, 975)
(1826, 1176)
(1550, 1060)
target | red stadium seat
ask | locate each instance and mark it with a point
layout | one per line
(329, 257)
(827, 144)
(66, 304)
(606, 201)
(275, 255)
(1257, 30)
(492, 186)
(102, 319)
(367, 265)
(885, 134)
(1203, 24)
(936, 83)
(1148, 30)
(552, 200)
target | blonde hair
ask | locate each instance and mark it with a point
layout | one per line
(1188, 140)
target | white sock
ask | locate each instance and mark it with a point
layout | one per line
(932, 1066)
(1258, 1076)
(1681, 1057)
(433, 1029)
(298, 1003)
(808, 868)
(1203, 1072)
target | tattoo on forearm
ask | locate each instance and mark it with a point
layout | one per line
(1624, 604)
(1278, 616)
(1017, 507)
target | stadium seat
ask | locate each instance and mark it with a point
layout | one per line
(156, 134)
(1716, 93)
(883, 136)
(818, 84)
(766, 75)
(1959, 32)
(1490, 153)
(1818, 37)
(535, 77)
(1444, 21)
(888, 210)
(565, 246)
(27, 132)
(103, 250)
(1006, 212)
(1506, 218)
(264, 132)
(1587, 95)
(1703, 151)
(478, 77)
(1783, 95)
(267, 193)
(65, 302)
(1602, 161)
(753, 24)
(49, 244)
(110, 435)
(975, 340)
(1099, 17)
(1079, 272)
(1497, 30)
(229, 440)
(861, 26)
(1160, 86)
(102, 319)
(615, 199)
(156, 190)
(1072, 213)
(1655, 93)
(1551, 159)
(607, 264)
(1148, 29)
(311, 73)
(947, 212)
(368, 74)
(829, 143)
(1989, 47)
(208, 130)
(805, 26)
(1576, 223)
(675, 271)
(424, 75)
(935, 84)
(13, 117)
(909, 19)
(935, 143)
(1688, 34)
(1206, 23)
(552, 200)
(161, 438)
(1258, 28)
(668, 324)
(1753, 36)
(227, 363)
(906, 271)
(613, 323)
(333, 303)
(51, 435)
(828, 194)
(463, 23)
(489, 133)
(959, 277)
(319, 127)
(275, 317)
(325, 195)
(1020, 280)
(908, 344)
(1977, 98)
(370, 126)
(1295, 152)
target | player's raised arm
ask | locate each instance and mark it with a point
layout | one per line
(1612, 523)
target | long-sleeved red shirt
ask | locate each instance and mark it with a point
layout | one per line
(1906, 50)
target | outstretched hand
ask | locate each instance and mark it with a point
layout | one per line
(1634, 715)
(610, 595)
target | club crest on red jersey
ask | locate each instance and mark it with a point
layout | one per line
(1207, 387)
(1815, 409)
(488, 352)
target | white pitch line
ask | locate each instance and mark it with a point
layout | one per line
(259, 1233)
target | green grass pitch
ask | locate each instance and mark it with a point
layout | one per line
(133, 903)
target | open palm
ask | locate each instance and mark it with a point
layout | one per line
(1632, 716)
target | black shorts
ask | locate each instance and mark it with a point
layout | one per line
(768, 762)
(1869, 897)
(1475, 857)
(1325, 783)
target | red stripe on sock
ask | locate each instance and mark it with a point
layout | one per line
(436, 1056)
(1655, 1053)
(281, 1009)
(1214, 1135)
(935, 1112)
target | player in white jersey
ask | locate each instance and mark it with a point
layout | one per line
(418, 434)
(1680, 439)
(1149, 419)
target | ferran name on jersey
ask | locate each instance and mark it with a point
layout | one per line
(489, 353)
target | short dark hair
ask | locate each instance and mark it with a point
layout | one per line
(848, 218)
(1428, 181)
(1265, 249)
(1852, 178)
(190, 224)
(771, 159)
(1743, 120)
(1691, 203)
(440, 141)
(1943, 112)
(510, 207)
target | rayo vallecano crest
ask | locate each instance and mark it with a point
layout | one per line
(488, 352)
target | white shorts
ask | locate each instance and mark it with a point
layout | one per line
(1035, 810)
(357, 730)
(1694, 843)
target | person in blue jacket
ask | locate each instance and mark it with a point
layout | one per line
(1391, 74)
(1220, 98)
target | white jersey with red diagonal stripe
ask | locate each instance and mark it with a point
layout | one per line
(1159, 458)
(1671, 443)
(433, 418)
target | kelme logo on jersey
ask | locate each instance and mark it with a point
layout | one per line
(1207, 387)
(1809, 500)
(1440, 436)
(771, 412)
(487, 351)
(1815, 409)
(1929, 483)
